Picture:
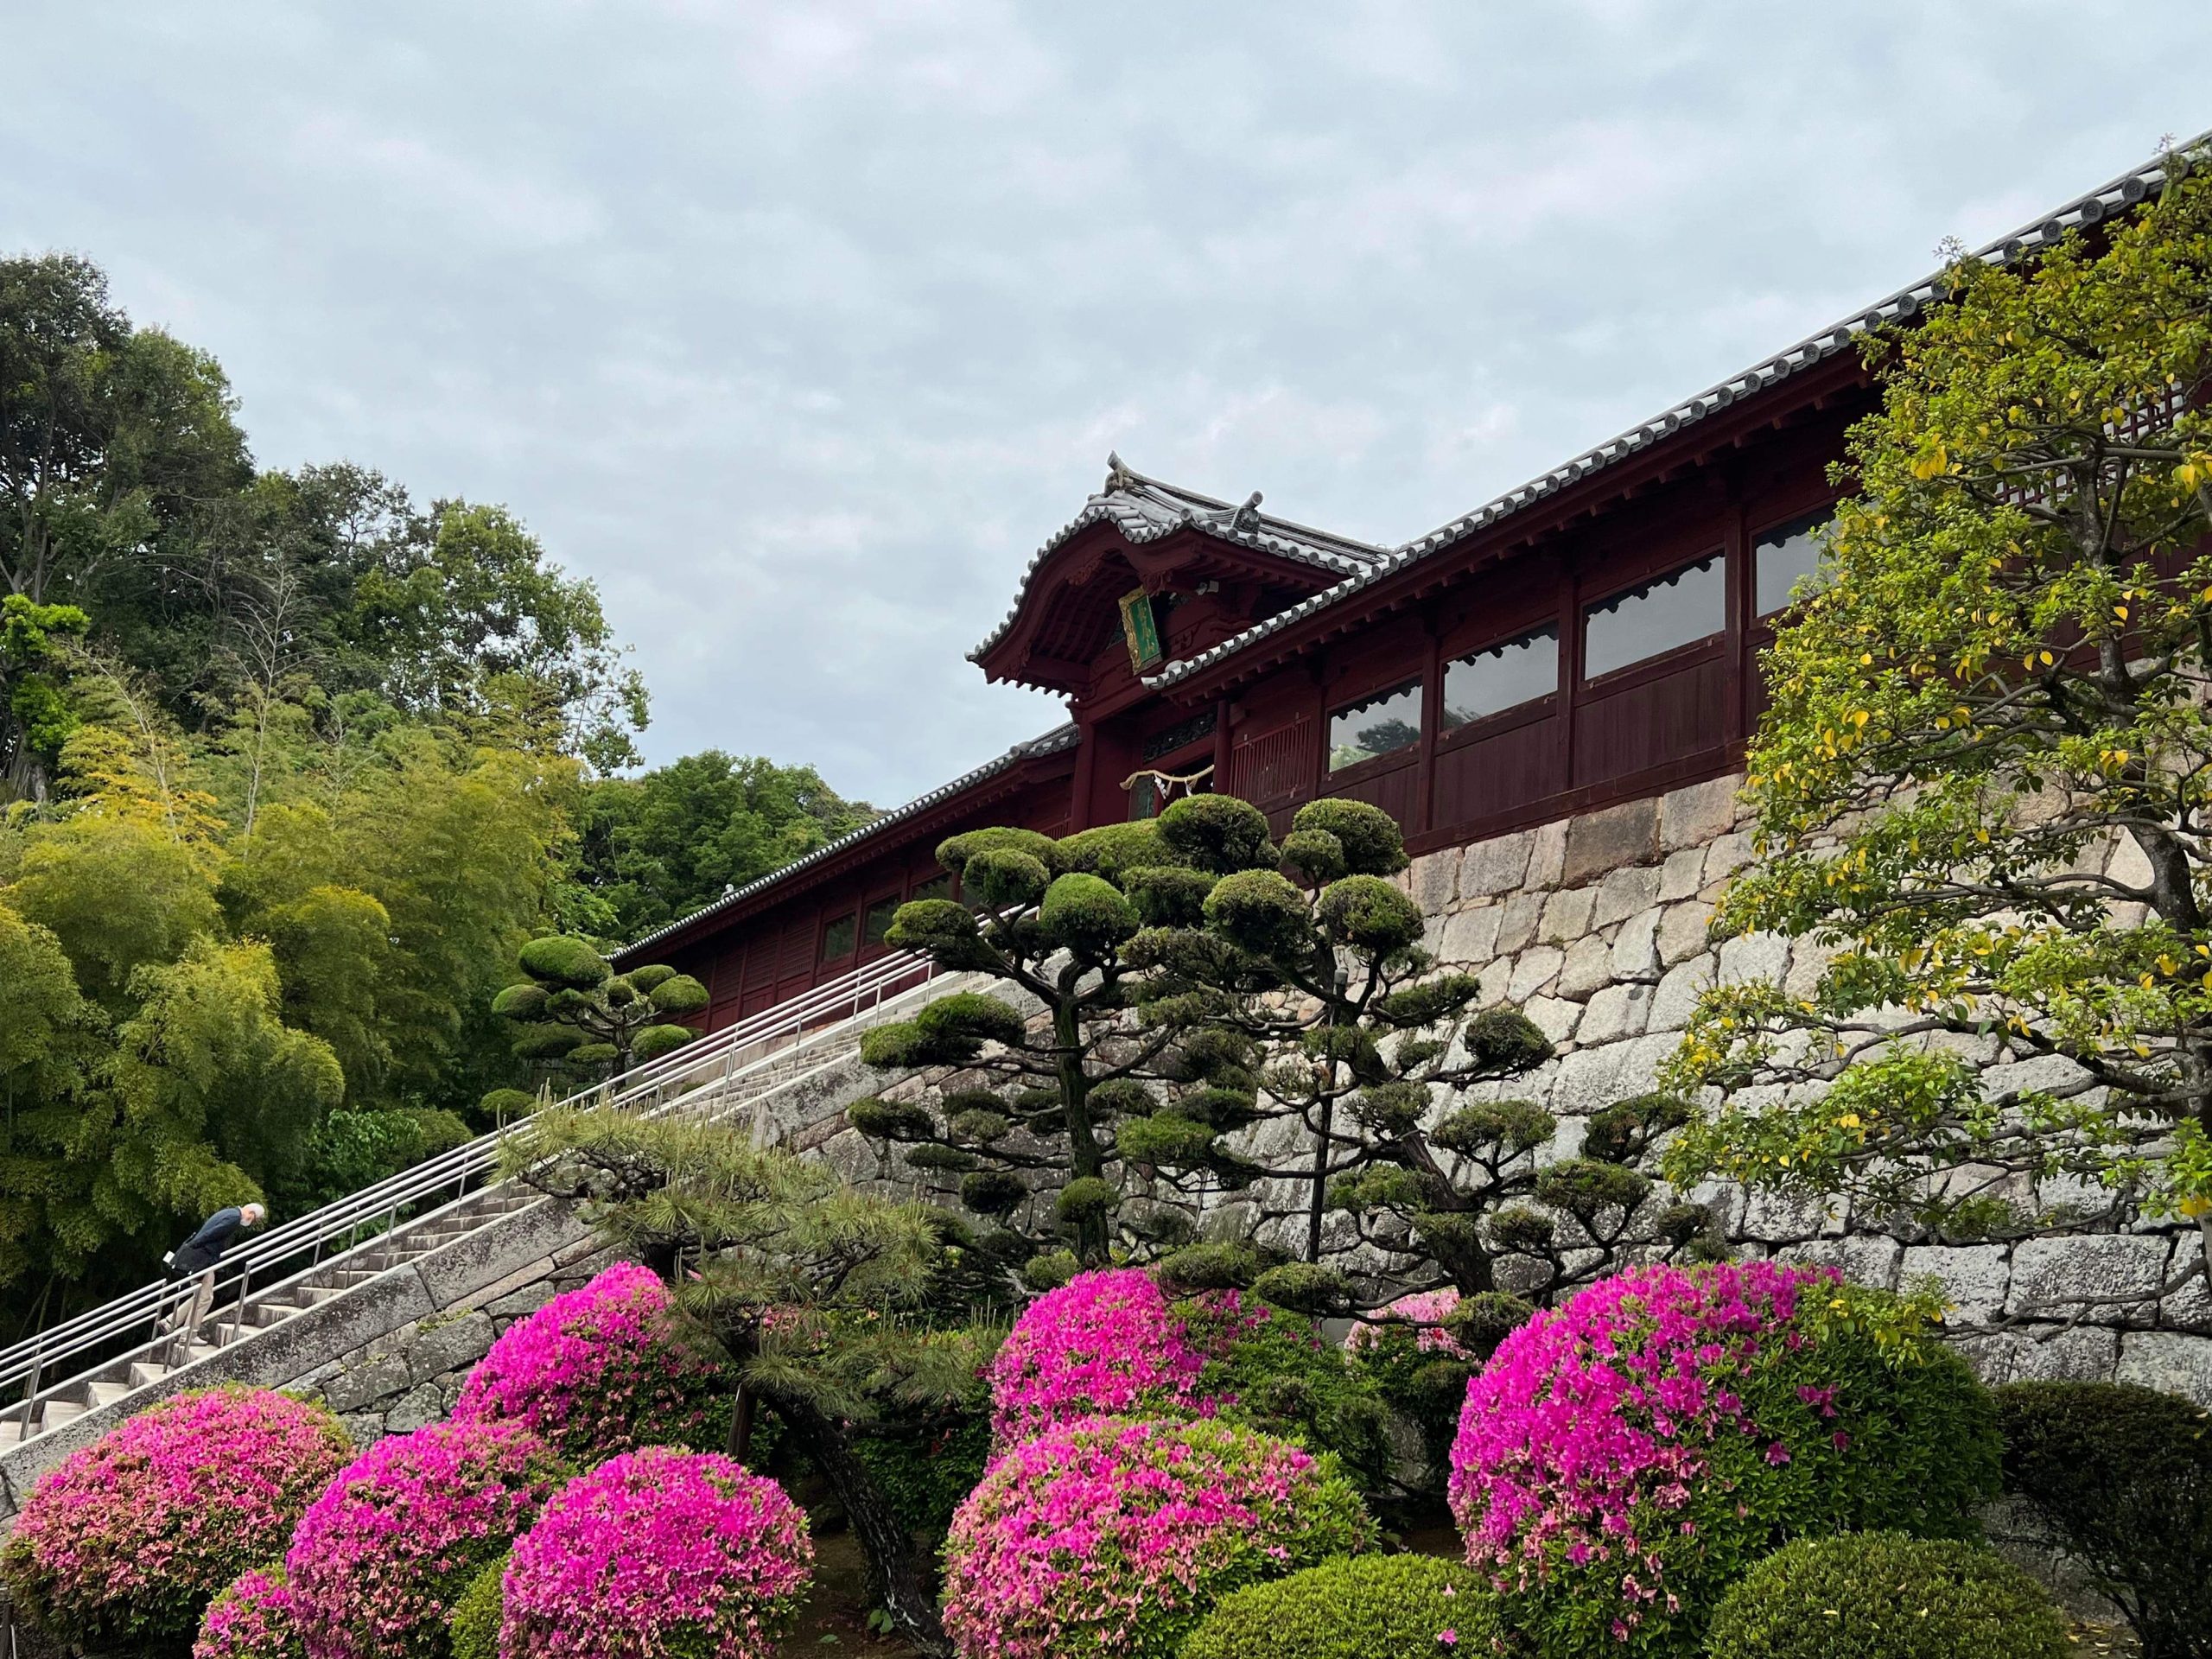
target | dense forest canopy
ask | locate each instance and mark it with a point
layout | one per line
(290, 766)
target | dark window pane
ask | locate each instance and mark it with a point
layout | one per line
(1502, 677)
(1783, 554)
(1660, 615)
(938, 886)
(1382, 724)
(837, 939)
(877, 922)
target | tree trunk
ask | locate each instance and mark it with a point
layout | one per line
(896, 1567)
(1084, 1153)
(742, 1413)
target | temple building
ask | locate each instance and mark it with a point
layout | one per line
(1586, 640)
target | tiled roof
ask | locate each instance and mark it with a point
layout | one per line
(1059, 738)
(2106, 200)
(1145, 509)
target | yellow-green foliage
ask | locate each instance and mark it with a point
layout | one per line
(1997, 674)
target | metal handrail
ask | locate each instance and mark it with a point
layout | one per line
(377, 1207)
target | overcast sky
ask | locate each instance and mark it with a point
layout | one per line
(798, 326)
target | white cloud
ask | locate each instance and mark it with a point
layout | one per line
(799, 327)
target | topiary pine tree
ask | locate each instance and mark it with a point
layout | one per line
(840, 1312)
(1369, 1048)
(1189, 992)
(574, 1012)
(1983, 782)
(1053, 921)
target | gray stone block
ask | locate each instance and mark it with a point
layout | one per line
(1516, 923)
(1678, 993)
(2173, 1362)
(1598, 841)
(518, 1304)
(1623, 893)
(1585, 1080)
(365, 1385)
(1636, 947)
(1554, 1016)
(1683, 932)
(1589, 964)
(364, 1428)
(487, 1254)
(1789, 1217)
(1861, 1259)
(1567, 915)
(449, 1347)
(1469, 937)
(2085, 1353)
(1699, 813)
(1534, 971)
(1617, 1013)
(1681, 876)
(1973, 1276)
(1497, 866)
(1547, 857)
(1754, 957)
(420, 1405)
(2052, 1276)
(1727, 855)
(1433, 880)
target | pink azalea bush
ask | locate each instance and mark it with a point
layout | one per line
(599, 1369)
(1115, 1536)
(658, 1552)
(1624, 1457)
(1104, 1343)
(378, 1559)
(124, 1543)
(252, 1619)
(1421, 1316)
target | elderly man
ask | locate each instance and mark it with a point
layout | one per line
(198, 1257)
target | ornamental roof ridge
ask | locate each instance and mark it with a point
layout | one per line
(1146, 509)
(2118, 194)
(1060, 737)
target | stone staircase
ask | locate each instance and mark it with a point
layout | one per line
(445, 1234)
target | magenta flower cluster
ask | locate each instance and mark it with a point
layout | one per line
(378, 1560)
(1587, 1447)
(1113, 1536)
(1104, 1343)
(252, 1619)
(599, 1369)
(659, 1554)
(122, 1544)
(1425, 1311)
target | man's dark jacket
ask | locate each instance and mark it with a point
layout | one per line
(204, 1248)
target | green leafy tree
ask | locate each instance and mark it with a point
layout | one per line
(822, 1296)
(575, 1012)
(660, 845)
(33, 656)
(1984, 780)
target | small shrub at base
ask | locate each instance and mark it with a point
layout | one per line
(472, 1627)
(1113, 1537)
(1884, 1595)
(658, 1551)
(252, 1619)
(1362, 1607)
(123, 1544)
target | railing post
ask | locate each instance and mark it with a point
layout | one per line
(30, 1393)
(238, 1323)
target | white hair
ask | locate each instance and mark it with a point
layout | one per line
(256, 1212)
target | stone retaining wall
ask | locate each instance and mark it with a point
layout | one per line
(1596, 927)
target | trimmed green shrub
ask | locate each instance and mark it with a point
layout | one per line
(1368, 913)
(1370, 839)
(1258, 910)
(1113, 850)
(473, 1623)
(925, 1476)
(1884, 1595)
(1273, 1369)
(1217, 833)
(955, 852)
(2123, 1475)
(1355, 1607)
(559, 959)
(1087, 914)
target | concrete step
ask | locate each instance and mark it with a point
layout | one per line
(104, 1393)
(58, 1412)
